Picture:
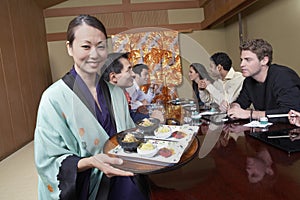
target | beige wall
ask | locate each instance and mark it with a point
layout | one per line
(275, 21)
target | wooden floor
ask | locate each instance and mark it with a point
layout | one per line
(18, 176)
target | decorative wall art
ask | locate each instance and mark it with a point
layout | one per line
(160, 51)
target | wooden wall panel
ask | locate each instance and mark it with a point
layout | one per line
(7, 144)
(12, 68)
(25, 70)
(24, 75)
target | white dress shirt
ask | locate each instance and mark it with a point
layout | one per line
(137, 95)
(227, 89)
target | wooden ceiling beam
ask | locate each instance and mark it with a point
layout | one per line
(125, 7)
(48, 3)
(216, 11)
(202, 2)
(187, 27)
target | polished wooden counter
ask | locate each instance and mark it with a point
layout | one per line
(237, 167)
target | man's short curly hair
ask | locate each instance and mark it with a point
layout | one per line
(259, 47)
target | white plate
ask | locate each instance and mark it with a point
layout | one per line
(163, 135)
(147, 153)
(177, 146)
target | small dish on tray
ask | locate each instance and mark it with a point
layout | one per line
(148, 125)
(178, 134)
(129, 141)
(169, 151)
(147, 150)
(163, 132)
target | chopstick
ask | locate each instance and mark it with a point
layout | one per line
(280, 115)
(158, 139)
(277, 115)
(278, 136)
(282, 136)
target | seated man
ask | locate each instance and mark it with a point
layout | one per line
(271, 88)
(138, 97)
(228, 85)
(118, 71)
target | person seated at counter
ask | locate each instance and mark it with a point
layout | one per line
(271, 88)
(230, 80)
(197, 73)
(138, 97)
(118, 71)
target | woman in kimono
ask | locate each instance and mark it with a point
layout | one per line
(76, 115)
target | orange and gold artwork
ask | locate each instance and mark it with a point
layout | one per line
(159, 50)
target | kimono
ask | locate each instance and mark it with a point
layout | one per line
(67, 130)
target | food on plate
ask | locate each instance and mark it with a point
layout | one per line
(178, 134)
(146, 122)
(129, 141)
(163, 132)
(129, 137)
(165, 152)
(146, 146)
(147, 149)
(148, 125)
(163, 129)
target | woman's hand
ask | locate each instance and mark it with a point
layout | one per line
(202, 84)
(103, 162)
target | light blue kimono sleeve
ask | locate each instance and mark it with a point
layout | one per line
(121, 108)
(65, 127)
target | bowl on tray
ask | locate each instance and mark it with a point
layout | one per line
(148, 125)
(147, 150)
(130, 140)
(163, 132)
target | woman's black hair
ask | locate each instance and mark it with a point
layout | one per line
(83, 19)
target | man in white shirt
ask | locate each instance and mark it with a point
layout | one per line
(228, 85)
(138, 97)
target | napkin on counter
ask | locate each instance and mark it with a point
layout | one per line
(258, 124)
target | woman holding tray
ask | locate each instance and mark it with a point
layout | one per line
(76, 116)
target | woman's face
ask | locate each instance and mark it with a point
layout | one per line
(89, 50)
(193, 74)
